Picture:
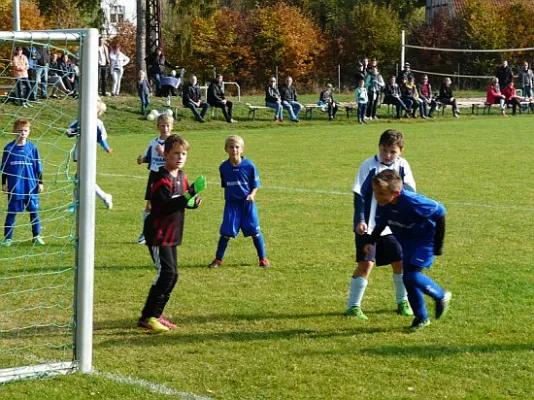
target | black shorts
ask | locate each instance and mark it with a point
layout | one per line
(386, 251)
(151, 178)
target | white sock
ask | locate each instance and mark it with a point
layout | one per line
(145, 214)
(357, 290)
(100, 193)
(400, 290)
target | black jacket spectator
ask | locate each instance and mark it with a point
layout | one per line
(215, 93)
(156, 64)
(504, 75)
(191, 93)
(445, 93)
(272, 94)
(288, 93)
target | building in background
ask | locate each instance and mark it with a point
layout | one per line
(450, 7)
(116, 11)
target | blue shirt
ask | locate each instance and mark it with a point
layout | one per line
(21, 170)
(238, 182)
(413, 223)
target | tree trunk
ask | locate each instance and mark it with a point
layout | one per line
(141, 36)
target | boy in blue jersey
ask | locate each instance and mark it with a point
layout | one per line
(170, 195)
(418, 223)
(154, 158)
(22, 180)
(388, 250)
(240, 181)
(101, 138)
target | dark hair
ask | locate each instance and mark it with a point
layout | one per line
(388, 179)
(174, 140)
(390, 138)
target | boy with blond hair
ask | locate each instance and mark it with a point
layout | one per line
(155, 159)
(418, 223)
(22, 181)
(387, 250)
(241, 181)
(170, 195)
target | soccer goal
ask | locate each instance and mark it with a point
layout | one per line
(46, 284)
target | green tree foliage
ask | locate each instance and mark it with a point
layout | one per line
(64, 14)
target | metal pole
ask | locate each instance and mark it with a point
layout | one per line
(458, 82)
(276, 73)
(16, 15)
(339, 78)
(403, 49)
(86, 217)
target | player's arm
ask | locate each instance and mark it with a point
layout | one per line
(360, 227)
(162, 194)
(252, 196)
(5, 155)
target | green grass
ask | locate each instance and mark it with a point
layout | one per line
(249, 333)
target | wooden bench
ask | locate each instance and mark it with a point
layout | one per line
(349, 108)
(253, 108)
(308, 114)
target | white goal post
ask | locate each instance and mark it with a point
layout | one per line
(85, 229)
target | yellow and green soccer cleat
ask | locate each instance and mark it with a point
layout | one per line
(152, 324)
(357, 312)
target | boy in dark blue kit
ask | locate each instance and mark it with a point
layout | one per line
(240, 181)
(170, 196)
(418, 223)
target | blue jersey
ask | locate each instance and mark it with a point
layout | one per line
(365, 205)
(101, 135)
(238, 181)
(154, 159)
(413, 223)
(21, 170)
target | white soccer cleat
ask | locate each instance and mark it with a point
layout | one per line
(108, 201)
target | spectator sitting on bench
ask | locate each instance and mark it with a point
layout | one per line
(216, 98)
(425, 94)
(494, 96)
(392, 95)
(273, 99)
(446, 96)
(526, 81)
(511, 98)
(192, 99)
(288, 94)
(54, 77)
(326, 99)
(407, 96)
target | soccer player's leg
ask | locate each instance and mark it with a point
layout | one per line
(250, 225)
(411, 276)
(32, 207)
(13, 207)
(229, 229)
(360, 277)
(389, 251)
(105, 197)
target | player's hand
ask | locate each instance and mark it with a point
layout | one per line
(250, 198)
(198, 186)
(160, 149)
(194, 202)
(4, 188)
(361, 228)
(368, 248)
(110, 150)
(40, 188)
(140, 160)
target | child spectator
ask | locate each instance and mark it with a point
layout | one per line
(22, 181)
(326, 99)
(425, 94)
(446, 97)
(392, 95)
(494, 96)
(170, 196)
(362, 100)
(20, 73)
(240, 180)
(155, 160)
(510, 97)
(101, 138)
(418, 223)
(143, 90)
(273, 99)
(387, 250)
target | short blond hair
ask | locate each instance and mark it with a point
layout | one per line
(234, 139)
(165, 119)
(20, 123)
(100, 107)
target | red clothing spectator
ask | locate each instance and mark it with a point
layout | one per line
(494, 95)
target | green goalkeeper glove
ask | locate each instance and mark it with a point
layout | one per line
(194, 202)
(198, 186)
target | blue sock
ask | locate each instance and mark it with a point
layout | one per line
(416, 284)
(36, 224)
(9, 225)
(221, 247)
(260, 246)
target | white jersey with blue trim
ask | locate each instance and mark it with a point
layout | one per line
(154, 159)
(363, 187)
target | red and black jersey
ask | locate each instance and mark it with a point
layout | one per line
(165, 224)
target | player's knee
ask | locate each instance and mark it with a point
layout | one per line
(224, 237)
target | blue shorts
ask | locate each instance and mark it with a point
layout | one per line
(386, 251)
(240, 214)
(418, 252)
(31, 204)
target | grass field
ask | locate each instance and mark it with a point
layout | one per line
(249, 333)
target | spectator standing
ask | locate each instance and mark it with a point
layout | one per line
(362, 98)
(360, 73)
(33, 56)
(217, 99)
(192, 99)
(504, 74)
(156, 64)
(494, 96)
(103, 64)
(143, 90)
(288, 93)
(326, 99)
(20, 73)
(526, 81)
(117, 61)
(405, 73)
(43, 62)
(374, 84)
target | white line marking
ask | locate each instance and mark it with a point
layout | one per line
(151, 386)
(349, 193)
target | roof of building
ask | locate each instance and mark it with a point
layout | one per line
(459, 5)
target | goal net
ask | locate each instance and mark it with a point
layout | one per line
(47, 239)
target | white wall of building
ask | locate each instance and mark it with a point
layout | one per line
(116, 11)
